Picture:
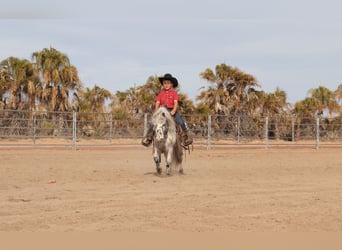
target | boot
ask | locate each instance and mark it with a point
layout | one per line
(147, 140)
(186, 139)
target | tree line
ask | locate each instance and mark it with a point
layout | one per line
(49, 82)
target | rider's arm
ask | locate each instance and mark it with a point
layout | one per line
(175, 107)
(157, 105)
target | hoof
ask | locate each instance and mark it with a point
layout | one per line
(168, 170)
(159, 170)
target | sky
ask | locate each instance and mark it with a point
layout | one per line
(295, 45)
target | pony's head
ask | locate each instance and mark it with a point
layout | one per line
(161, 130)
(164, 125)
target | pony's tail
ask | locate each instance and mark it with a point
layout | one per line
(178, 152)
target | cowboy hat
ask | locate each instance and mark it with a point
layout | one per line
(169, 77)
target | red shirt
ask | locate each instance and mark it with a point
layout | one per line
(167, 98)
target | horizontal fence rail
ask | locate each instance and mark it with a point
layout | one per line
(77, 129)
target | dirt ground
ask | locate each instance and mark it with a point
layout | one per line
(222, 190)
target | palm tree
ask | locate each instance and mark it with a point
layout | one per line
(305, 108)
(305, 112)
(239, 86)
(5, 84)
(275, 107)
(255, 102)
(215, 97)
(230, 88)
(231, 92)
(338, 92)
(93, 100)
(91, 105)
(274, 103)
(18, 76)
(338, 95)
(58, 77)
(147, 94)
(324, 100)
(186, 106)
(126, 101)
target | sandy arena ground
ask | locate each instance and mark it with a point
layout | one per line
(222, 190)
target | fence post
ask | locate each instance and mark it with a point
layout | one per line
(238, 129)
(317, 133)
(266, 132)
(293, 129)
(209, 132)
(110, 127)
(145, 124)
(34, 127)
(73, 130)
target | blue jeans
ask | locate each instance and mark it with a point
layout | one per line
(180, 121)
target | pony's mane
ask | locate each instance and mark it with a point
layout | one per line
(162, 115)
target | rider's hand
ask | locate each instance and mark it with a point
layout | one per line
(172, 112)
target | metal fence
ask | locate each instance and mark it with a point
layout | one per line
(76, 129)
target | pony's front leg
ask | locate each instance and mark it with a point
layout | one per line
(181, 171)
(169, 161)
(156, 158)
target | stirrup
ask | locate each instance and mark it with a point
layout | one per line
(187, 141)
